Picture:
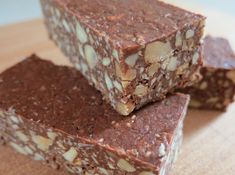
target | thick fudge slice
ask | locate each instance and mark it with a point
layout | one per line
(134, 52)
(217, 88)
(52, 114)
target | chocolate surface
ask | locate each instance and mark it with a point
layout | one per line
(218, 53)
(216, 90)
(59, 97)
(129, 22)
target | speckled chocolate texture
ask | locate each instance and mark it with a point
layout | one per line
(52, 114)
(134, 52)
(217, 88)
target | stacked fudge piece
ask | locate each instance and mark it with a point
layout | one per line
(52, 114)
(216, 90)
(134, 53)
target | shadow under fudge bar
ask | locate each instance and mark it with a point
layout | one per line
(217, 88)
(134, 52)
(52, 114)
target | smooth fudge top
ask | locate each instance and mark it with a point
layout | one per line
(218, 53)
(59, 97)
(130, 22)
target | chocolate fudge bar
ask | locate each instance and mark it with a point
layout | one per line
(217, 88)
(52, 114)
(134, 52)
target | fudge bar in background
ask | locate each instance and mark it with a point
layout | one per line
(217, 88)
(52, 114)
(134, 52)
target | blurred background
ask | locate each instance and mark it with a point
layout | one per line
(12, 11)
(220, 13)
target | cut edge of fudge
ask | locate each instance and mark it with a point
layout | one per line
(47, 129)
(216, 90)
(127, 81)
